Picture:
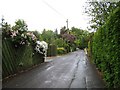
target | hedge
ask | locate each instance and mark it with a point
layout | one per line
(105, 49)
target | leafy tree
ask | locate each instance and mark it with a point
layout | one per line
(18, 33)
(99, 12)
(48, 36)
(69, 38)
(56, 34)
(60, 42)
(20, 25)
(82, 37)
(63, 30)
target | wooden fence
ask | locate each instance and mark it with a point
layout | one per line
(17, 59)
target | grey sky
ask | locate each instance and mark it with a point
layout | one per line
(49, 14)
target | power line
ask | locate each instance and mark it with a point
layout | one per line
(53, 9)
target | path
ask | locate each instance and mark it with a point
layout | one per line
(69, 71)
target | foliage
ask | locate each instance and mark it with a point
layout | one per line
(61, 51)
(51, 38)
(63, 30)
(6, 30)
(18, 34)
(37, 34)
(18, 50)
(60, 42)
(105, 49)
(68, 39)
(48, 36)
(82, 37)
(41, 47)
(99, 12)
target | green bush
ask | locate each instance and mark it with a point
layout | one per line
(61, 51)
(106, 49)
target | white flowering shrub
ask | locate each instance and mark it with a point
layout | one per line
(18, 34)
(31, 36)
(41, 47)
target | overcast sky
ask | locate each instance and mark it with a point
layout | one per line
(48, 14)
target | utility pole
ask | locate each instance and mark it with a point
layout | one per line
(67, 23)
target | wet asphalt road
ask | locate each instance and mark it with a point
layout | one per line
(69, 71)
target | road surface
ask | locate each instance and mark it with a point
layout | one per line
(68, 71)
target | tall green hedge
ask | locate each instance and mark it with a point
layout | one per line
(15, 59)
(106, 49)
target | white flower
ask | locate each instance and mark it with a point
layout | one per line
(22, 35)
(44, 44)
(13, 34)
(30, 34)
(41, 47)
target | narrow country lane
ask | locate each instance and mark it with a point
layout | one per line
(69, 71)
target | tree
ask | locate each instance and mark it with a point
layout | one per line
(82, 37)
(20, 25)
(48, 36)
(19, 31)
(63, 30)
(56, 34)
(99, 11)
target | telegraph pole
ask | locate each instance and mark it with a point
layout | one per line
(67, 23)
